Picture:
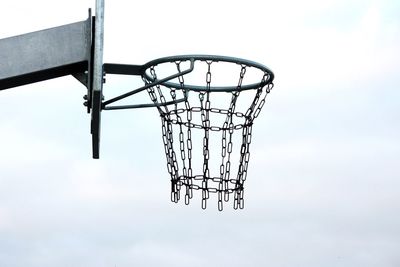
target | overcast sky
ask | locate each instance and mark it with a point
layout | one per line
(323, 183)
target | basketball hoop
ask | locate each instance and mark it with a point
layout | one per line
(198, 116)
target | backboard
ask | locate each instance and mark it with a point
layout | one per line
(96, 83)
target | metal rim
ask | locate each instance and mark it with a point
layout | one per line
(213, 58)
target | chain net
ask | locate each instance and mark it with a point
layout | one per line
(207, 141)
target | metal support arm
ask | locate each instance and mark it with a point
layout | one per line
(45, 54)
(139, 70)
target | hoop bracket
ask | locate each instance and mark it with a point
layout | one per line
(139, 70)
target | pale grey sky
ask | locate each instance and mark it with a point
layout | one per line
(323, 182)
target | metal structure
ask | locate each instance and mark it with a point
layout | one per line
(181, 88)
